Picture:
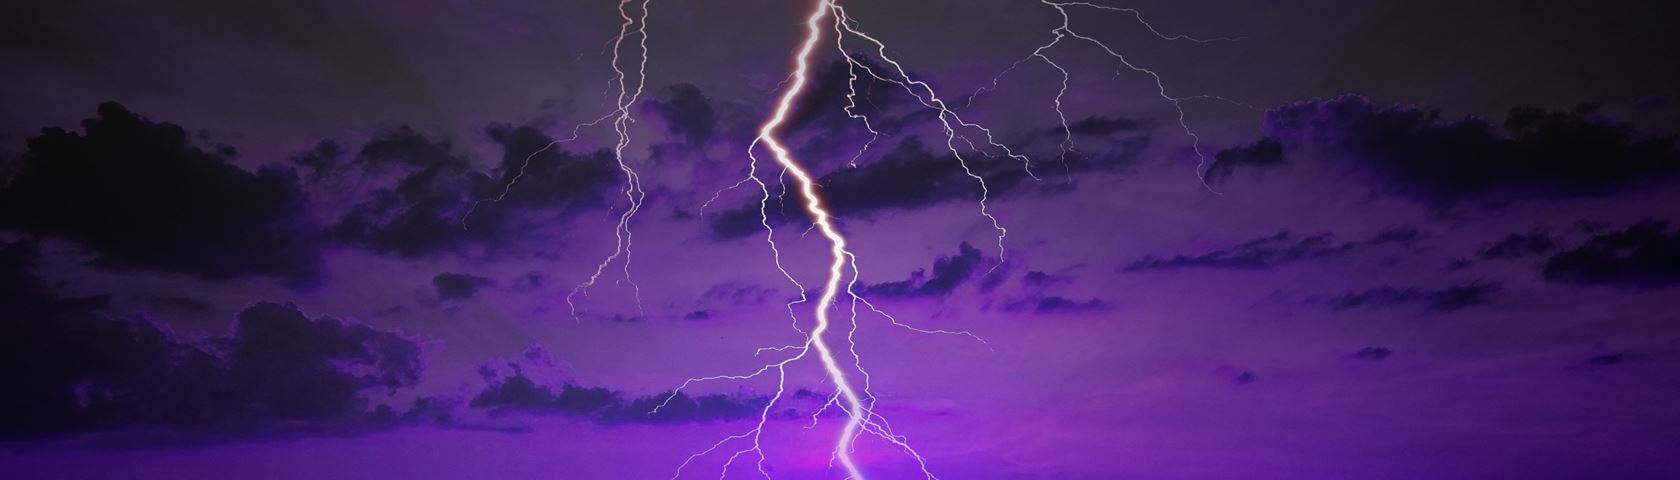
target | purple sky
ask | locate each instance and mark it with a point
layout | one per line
(1434, 241)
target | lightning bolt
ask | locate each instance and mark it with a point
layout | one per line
(624, 239)
(508, 188)
(627, 97)
(851, 397)
(854, 398)
(855, 408)
(1065, 30)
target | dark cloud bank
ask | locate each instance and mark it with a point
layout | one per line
(1441, 300)
(517, 392)
(73, 369)
(1416, 153)
(459, 286)
(903, 173)
(948, 273)
(1271, 251)
(144, 195)
(1643, 255)
(426, 211)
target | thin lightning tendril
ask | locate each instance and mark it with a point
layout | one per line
(856, 400)
(576, 129)
(622, 118)
(853, 399)
(1065, 30)
(946, 115)
(857, 403)
(856, 413)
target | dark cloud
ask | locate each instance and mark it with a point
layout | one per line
(405, 147)
(948, 273)
(18, 286)
(424, 213)
(330, 360)
(740, 222)
(321, 160)
(536, 353)
(999, 274)
(1371, 353)
(1519, 245)
(698, 315)
(179, 303)
(1099, 125)
(738, 294)
(530, 281)
(71, 369)
(686, 112)
(1051, 304)
(908, 177)
(911, 175)
(1035, 278)
(1442, 300)
(518, 392)
(1588, 227)
(1533, 152)
(1271, 251)
(1244, 378)
(1640, 256)
(1606, 360)
(141, 194)
(458, 286)
(1265, 153)
(420, 215)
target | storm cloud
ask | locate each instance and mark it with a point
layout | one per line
(1642, 255)
(426, 211)
(73, 369)
(946, 275)
(1417, 153)
(1274, 250)
(143, 195)
(518, 392)
(1441, 300)
(458, 286)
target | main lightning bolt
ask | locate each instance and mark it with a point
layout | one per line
(853, 398)
(837, 242)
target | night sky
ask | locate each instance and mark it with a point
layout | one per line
(1305, 239)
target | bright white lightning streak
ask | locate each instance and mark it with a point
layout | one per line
(859, 407)
(861, 417)
(622, 119)
(858, 403)
(856, 414)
